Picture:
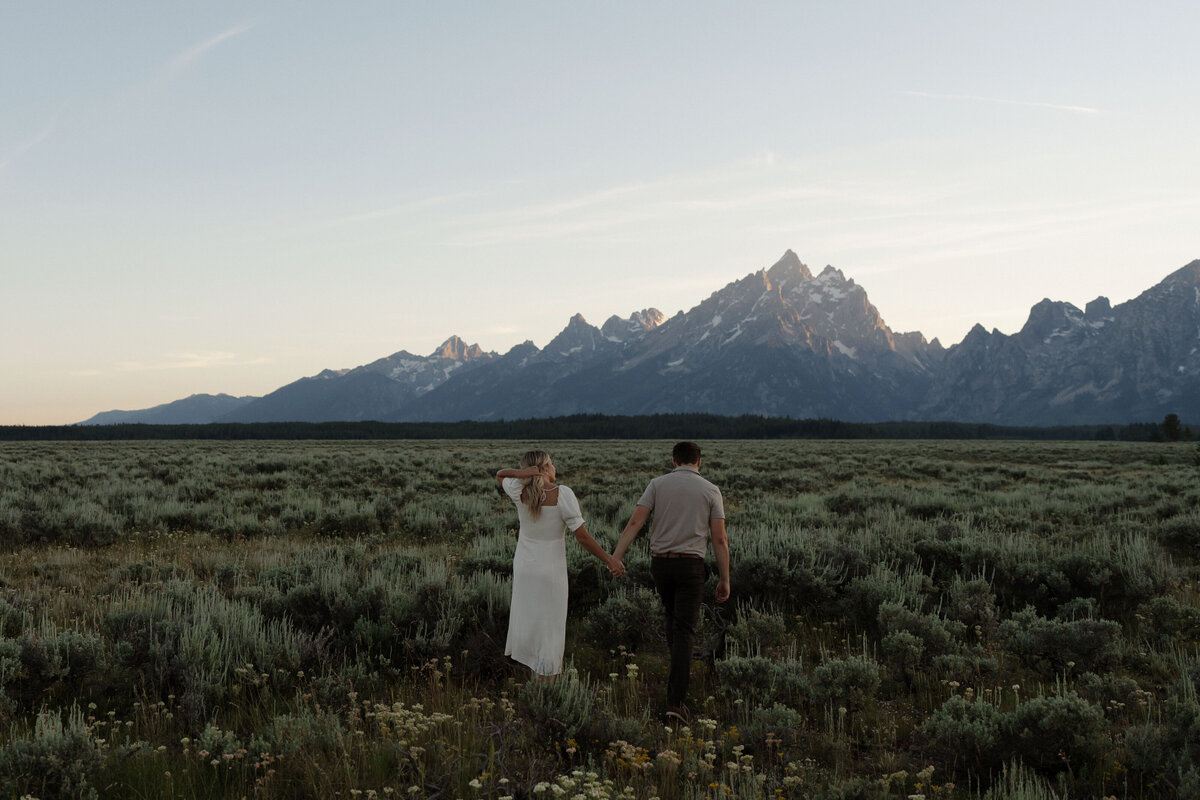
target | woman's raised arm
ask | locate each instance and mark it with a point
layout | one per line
(523, 472)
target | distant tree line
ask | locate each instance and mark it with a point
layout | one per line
(599, 426)
(1172, 430)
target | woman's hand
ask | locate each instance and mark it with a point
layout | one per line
(522, 473)
(616, 568)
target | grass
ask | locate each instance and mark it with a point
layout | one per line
(325, 619)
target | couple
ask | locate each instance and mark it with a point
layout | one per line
(688, 512)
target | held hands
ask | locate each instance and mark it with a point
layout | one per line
(616, 568)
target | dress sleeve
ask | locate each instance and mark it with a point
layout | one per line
(568, 504)
(512, 488)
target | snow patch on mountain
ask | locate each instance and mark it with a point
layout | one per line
(846, 351)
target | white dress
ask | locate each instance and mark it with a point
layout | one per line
(537, 616)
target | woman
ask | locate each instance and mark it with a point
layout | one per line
(537, 617)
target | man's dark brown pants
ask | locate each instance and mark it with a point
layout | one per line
(680, 584)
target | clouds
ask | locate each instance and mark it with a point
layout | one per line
(178, 361)
(89, 113)
(197, 51)
(191, 56)
(21, 148)
(1002, 101)
(742, 194)
(403, 209)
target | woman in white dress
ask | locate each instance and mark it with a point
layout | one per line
(537, 617)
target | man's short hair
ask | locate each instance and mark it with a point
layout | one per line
(686, 453)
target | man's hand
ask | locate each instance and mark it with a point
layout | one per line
(617, 569)
(722, 591)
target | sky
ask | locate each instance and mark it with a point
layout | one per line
(226, 197)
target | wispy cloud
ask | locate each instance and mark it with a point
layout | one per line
(403, 209)
(1004, 101)
(897, 242)
(765, 184)
(190, 361)
(21, 148)
(194, 53)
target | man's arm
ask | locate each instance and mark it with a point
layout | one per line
(720, 545)
(632, 528)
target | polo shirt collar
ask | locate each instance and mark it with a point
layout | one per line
(686, 468)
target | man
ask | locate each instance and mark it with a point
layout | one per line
(688, 512)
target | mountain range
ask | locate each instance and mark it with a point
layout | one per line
(778, 342)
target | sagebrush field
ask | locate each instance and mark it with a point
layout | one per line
(327, 619)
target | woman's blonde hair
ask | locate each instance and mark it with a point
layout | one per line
(533, 493)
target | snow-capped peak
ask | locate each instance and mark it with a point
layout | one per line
(616, 329)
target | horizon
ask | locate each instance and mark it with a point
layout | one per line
(227, 198)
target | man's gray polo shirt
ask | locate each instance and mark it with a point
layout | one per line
(683, 503)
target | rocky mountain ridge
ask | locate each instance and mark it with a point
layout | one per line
(783, 341)
(1137, 361)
